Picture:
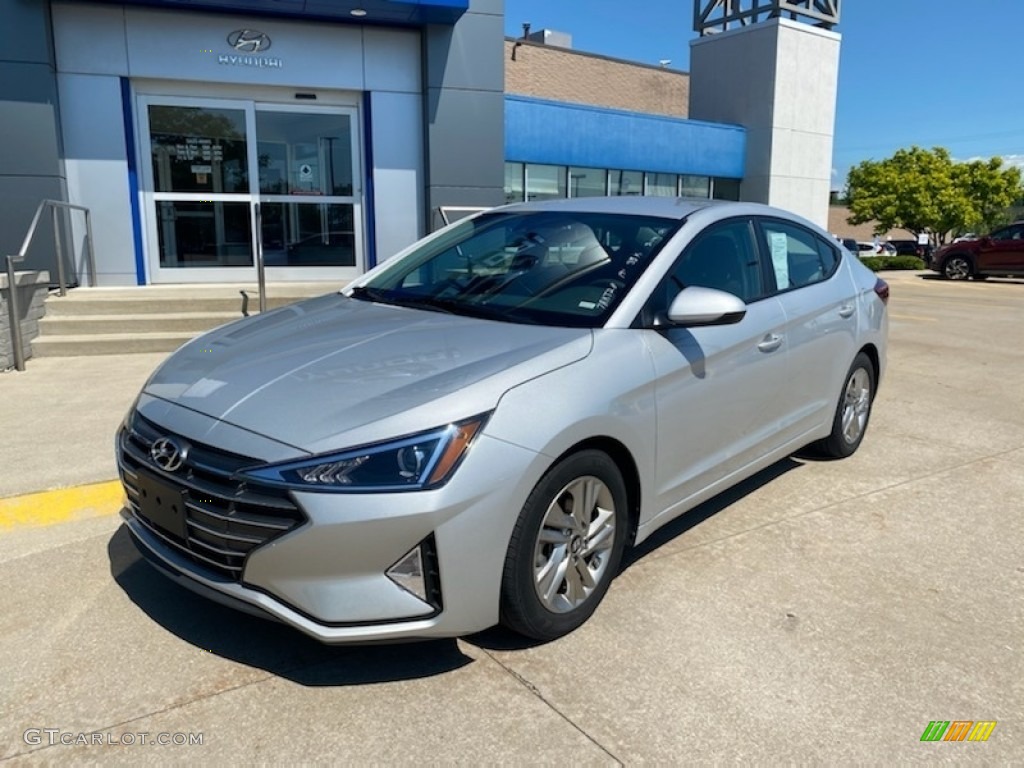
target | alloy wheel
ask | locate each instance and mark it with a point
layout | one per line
(958, 268)
(574, 544)
(856, 405)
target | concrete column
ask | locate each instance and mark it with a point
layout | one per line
(464, 89)
(779, 79)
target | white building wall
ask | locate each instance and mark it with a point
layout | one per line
(779, 79)
(97, 45)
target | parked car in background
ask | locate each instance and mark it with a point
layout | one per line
(474, 431)
(998, 254)
(866, 249)
(922, 251)
(858, 249)
(905, 247)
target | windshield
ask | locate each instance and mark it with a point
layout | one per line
(551, 268)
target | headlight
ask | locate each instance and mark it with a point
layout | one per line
(425, 460)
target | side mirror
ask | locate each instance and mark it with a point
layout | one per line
(698, 306)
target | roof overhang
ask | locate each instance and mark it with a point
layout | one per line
(384, 12)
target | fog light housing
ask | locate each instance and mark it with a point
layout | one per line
(417, 572)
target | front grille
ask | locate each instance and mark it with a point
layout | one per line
(224, 518)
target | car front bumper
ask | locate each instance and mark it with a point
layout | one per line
(326, 576)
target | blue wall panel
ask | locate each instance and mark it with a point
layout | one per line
(412, 12)
(557, 133)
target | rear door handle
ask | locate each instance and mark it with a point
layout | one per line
(846, 310)
(771, 342)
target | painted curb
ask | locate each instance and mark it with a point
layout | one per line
(60, 506)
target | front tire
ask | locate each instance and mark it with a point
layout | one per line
(853, 411)
(957, 268)
(566, 547)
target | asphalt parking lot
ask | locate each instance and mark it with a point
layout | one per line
(821, 612)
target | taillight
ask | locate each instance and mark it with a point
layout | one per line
(882, 290)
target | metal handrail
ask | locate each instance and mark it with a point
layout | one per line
(17, 343)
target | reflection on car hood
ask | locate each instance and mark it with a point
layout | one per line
(313, 374)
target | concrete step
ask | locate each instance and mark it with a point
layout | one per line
(142, 304)
(107, 344)
(93, 321)
(91, 325)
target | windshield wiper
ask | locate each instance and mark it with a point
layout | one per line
(429, 303)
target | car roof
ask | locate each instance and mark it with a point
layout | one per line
(664, 207)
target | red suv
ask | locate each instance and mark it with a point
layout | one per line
(1001, 253)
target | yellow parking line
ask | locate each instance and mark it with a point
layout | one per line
(51, 507)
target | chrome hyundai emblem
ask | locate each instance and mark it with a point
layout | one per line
(249, 41)
(167, 454)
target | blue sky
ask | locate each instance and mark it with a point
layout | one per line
(911, 71)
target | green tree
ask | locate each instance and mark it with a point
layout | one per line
(927, 192)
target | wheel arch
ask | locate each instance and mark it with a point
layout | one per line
(876, 363)
(624, 460)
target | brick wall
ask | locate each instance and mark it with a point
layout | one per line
(837, 225)
(560, 74)
(32, 288)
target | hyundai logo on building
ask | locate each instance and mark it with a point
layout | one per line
(249, 41)
(167, 454)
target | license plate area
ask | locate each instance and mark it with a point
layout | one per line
(163, 505)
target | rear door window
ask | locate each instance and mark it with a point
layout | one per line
(796, 256)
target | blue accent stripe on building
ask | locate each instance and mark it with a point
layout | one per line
(557, 133)
(133, 180)
(368, 202)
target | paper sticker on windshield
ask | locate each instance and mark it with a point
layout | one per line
(780, 258)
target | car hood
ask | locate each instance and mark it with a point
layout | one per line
(333, 371)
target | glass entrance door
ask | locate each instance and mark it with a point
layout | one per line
(307, 190)
(214, 164)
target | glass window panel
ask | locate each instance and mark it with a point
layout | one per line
(722, 257)
(514, 182)
(204, 234)
(799, 258)
(308, 234)
(625, 183)
(695, 186)
(727, 189)
(588, 182)
(198, 149)
(545, 182)
(662, 184)
(304, 154)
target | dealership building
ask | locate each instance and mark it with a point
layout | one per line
(326, 135)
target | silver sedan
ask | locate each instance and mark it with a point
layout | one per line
(474, 431)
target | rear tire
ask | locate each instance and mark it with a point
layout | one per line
(566, 547)
(957, 267)
(853, 411)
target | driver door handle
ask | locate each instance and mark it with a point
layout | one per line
(770, 343)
